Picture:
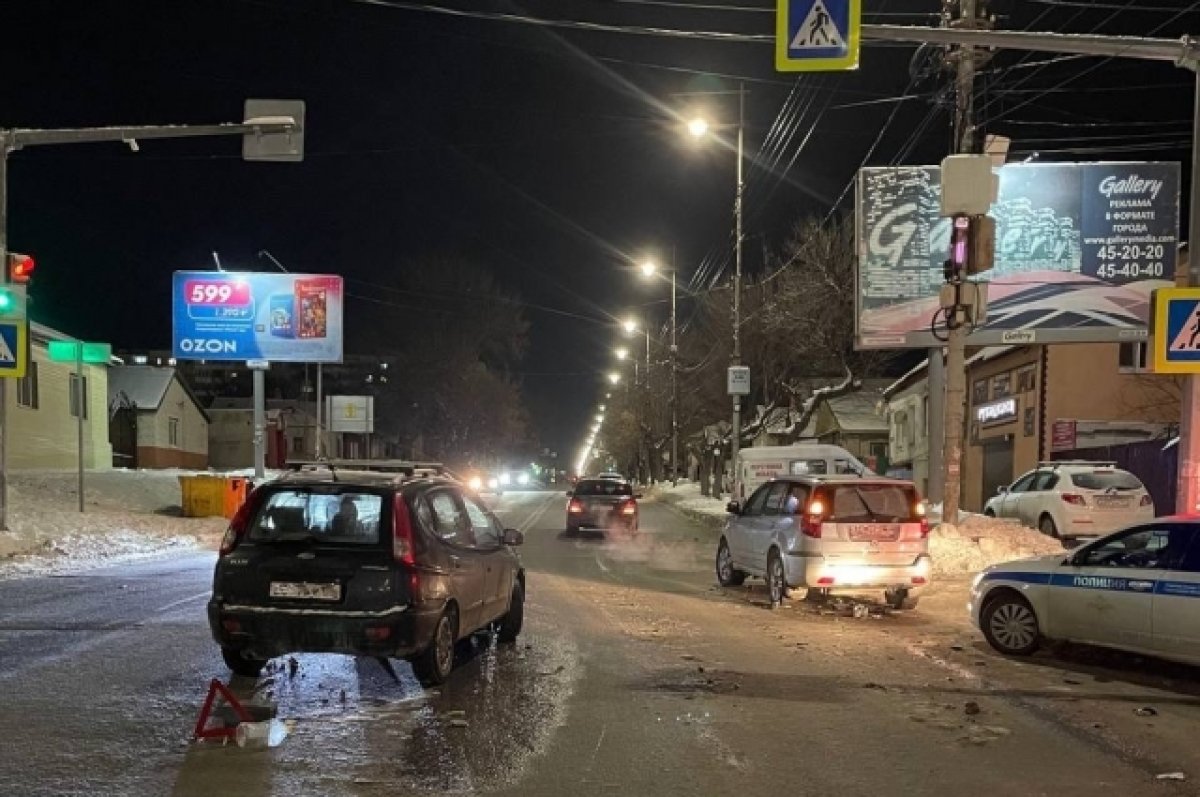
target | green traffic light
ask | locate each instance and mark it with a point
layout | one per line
(7, 301)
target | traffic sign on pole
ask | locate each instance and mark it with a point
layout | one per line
(14, 351)
(1176, 331)
(817, 35)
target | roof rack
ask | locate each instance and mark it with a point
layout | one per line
(1093, 462)
(399, 469)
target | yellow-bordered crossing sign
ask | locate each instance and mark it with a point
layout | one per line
(817, 35)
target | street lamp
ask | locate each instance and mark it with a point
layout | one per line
(629, 325)
(648, 270)
(614, 378)
(621, 353)
(698, 128)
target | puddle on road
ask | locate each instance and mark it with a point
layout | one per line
(353, 727)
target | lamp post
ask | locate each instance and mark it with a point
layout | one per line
(649, 268)
(698, 128)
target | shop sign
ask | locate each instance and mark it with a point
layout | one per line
(1001, 411)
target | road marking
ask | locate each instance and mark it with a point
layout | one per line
(182, 601)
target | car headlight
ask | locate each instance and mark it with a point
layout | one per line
(505, 478)
(475, 483)
(493, 483)
(523, 479)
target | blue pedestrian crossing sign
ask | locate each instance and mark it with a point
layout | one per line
(1176, 331)
(14, 349)
(817, 35)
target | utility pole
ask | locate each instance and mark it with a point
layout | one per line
(674, 381)
(956, 374)
(736, 434)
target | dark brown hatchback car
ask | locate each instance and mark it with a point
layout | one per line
(385, 564)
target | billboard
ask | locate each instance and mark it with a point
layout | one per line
(224, 316)
(352, 414)
(1079, 250)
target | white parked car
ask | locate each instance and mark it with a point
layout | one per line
(1136, 590)
(1074, 499)
(828, 532)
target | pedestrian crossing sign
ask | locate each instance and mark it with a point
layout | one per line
(1176, 331)
(14, 350)
(817, 35)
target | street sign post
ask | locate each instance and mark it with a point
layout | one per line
(817, 35)
(14, 349)
(79, 352)
(1176, 331)
(739, 380)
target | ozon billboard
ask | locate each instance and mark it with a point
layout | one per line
(1080, 248)
(238, 316)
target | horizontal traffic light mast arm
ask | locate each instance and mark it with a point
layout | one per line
(17, 138)
(1183, 52)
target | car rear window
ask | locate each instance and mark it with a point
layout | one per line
(603, 488)
(320, 514)
(866, 503)
(1106, 480)
(805, 467)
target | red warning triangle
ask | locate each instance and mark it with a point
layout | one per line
(217, 689)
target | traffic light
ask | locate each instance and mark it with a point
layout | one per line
(12, 302)
(20, 268)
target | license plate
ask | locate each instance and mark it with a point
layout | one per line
(873, 532)
(1105, 502)
(304, 590)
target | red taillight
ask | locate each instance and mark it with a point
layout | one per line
(920, 511)
(575, 507)
(238, 526)
(825, 581)
(924, 527)
(629, 507)
(378, 633)
(919, 581)
(1147, 501)
(231, 625)
(403, 549)
(1074, 500)
(814, 515)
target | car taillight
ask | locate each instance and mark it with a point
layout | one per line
(403, 549)
(1147, 501)
(921, 514)
(1074, 500)
(575, 507)
(810, 521)
(238, 526)
(629, 507)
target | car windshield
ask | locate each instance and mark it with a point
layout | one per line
(1106, 480)
(865, 503)
(603, 487)
(323, 515)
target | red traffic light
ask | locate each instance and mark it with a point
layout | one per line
(20, 268)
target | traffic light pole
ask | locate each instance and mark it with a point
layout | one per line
(13, 139)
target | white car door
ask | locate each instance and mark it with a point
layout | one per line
(740, 530)
(1105, 593)
(1176, 613)
(1032, 502)
(1010, 502)
(763, 529)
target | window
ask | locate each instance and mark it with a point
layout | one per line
(755, 505)
(27, 388)
(979, 393)
(797, 499)
(1030, 421)
(322, 514)
(1022, 484)
(297, 445)
(873, 503)
(775, 499)
(1106, 480)
(1155, 547)
(879, 449)
(804, 467)
(1131, 357)
(173, 432)
(1001, 386)
(75, 390)
(1026, 378)
(449, 521)
(1191, 559)
(603, 487)
(487, 532)
(1047, 480)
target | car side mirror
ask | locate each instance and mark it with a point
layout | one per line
(513, 537)
(733, 508)
(1001, 490)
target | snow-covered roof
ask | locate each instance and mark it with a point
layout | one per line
(144, 387)
(856, 412)
(983, 355)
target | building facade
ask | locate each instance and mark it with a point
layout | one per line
(155, 419)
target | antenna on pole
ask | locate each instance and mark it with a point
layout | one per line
(273, 259)
(217, 260)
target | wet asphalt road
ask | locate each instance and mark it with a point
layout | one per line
(635, 676)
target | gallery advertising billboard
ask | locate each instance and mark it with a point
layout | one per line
(1080, 247)
(230, 316)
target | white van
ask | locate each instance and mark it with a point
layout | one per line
(759, 465)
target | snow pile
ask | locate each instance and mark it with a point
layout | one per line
(979, 542)
(686, 496)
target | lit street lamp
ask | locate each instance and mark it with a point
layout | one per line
(648, 270)
(697, 127)
(614, 378)
(621, 353)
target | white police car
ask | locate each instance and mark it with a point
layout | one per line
(1137, 590)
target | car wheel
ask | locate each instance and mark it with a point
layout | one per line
(510, 624)
(242, 665)
(1010, 625)
(989, 512)
(572, 531)
(432, 666)
(727, 574)
(1046, 524)
(899, 599)
(776, 581)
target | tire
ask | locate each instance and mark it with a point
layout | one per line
(433, 665)
(727, 574)
(1047, 527)
(510, 624)
(241, 665)
(898, 599)
(572, 531)
(1010, 625)
(776, 578)
(989, 513)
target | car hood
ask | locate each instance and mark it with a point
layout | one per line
(1035, 564)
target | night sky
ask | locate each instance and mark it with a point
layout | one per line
(551, 157)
